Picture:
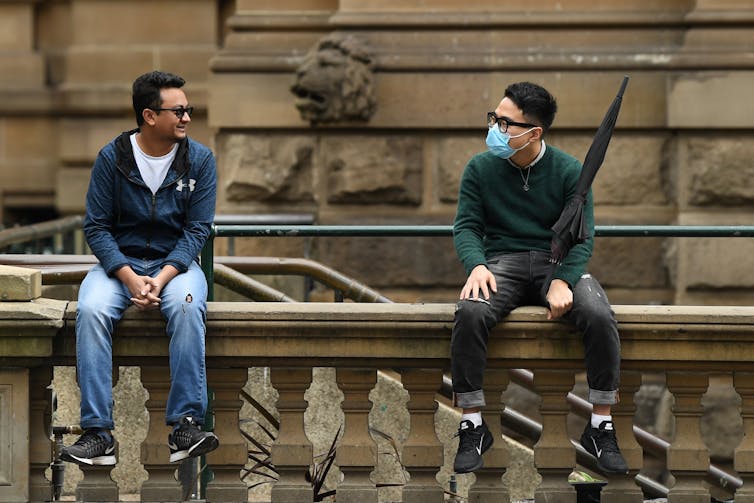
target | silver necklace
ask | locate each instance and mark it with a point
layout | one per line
(525, 179)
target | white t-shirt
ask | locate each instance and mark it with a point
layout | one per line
(153, 169)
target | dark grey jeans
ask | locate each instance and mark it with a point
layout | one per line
(523, 279)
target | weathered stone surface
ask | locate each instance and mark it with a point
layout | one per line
(453, 154)
(720, 170)
(634, 170)
(373, 170)
(695, 97)
(19, 283)
(14, 434)
(616, 263)
(394, 262)
(267, 168)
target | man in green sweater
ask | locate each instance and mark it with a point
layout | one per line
(509, 198)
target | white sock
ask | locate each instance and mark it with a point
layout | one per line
(597, 420)
(474, 417)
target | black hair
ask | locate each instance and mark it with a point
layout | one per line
(536, 103)
(146, 91)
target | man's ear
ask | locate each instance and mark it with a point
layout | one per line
(149, 116)
(536, 133)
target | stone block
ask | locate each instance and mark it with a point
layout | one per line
(635, 170)
(453, 154)
(718, 170)
(615, 263)
(30, 138)
(269, 169)
(189, 61)
(27, 178)
(17, 26)
(14, 434)
(70, 190)
(21, 70)
(715, 265)
(713, 94)
(82, 139)
(127, 22)
(19, 283)
(394, 262)
(107, 64)
(372, 170)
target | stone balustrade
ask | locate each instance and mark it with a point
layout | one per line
(686, 343)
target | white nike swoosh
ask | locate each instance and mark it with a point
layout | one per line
(598, 451)
(110, 450)
(479, 449)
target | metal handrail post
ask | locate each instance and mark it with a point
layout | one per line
(208, 263)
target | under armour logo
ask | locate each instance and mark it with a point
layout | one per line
(191, 184)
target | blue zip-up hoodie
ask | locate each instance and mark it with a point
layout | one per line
(124, 219)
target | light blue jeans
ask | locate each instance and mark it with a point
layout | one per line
(101, 303)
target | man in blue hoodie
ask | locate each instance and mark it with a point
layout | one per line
(149, 211)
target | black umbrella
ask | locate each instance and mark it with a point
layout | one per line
(570, 229)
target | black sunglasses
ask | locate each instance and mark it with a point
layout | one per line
(504, 122)
(178, 111)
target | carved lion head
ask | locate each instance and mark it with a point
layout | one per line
(335, 82)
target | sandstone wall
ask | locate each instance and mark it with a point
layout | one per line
(681, 153)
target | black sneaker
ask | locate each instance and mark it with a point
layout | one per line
(472, 444)
(90, 449)
(602, 444)
(189, 441)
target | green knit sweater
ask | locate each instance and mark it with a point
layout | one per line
(495, 215)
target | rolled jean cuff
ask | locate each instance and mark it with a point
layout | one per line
(470, 399)
(599, 397)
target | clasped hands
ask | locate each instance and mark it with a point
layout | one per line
(145, 293)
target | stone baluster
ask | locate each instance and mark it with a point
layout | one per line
(554, 455)
(688, 456)
(162, 484)
(422, 451)
(40, 445)
(489, 487)
(623, 488)
(97, 484)
(744, 453)
(292, 452)
(228, 459)
(356, 455)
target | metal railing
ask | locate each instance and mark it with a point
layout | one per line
(298, 231)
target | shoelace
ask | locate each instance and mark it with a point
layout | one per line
(467, 441)
(89, 440)
(607, 441)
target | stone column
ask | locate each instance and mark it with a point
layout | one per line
(554, 455)
(228, 459)
(40, 443)
(97, 484)
(155, 455)
(292, 452)
(489, 487)
(623, 488)
(688, 456)
(744, 453)
(356, 455)
(422, 452)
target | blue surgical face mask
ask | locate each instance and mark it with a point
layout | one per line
(497, 142)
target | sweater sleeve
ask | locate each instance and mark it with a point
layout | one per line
(468, 228)
(574, 264)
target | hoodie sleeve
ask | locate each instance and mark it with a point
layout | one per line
(98, 221)
(201, 212)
